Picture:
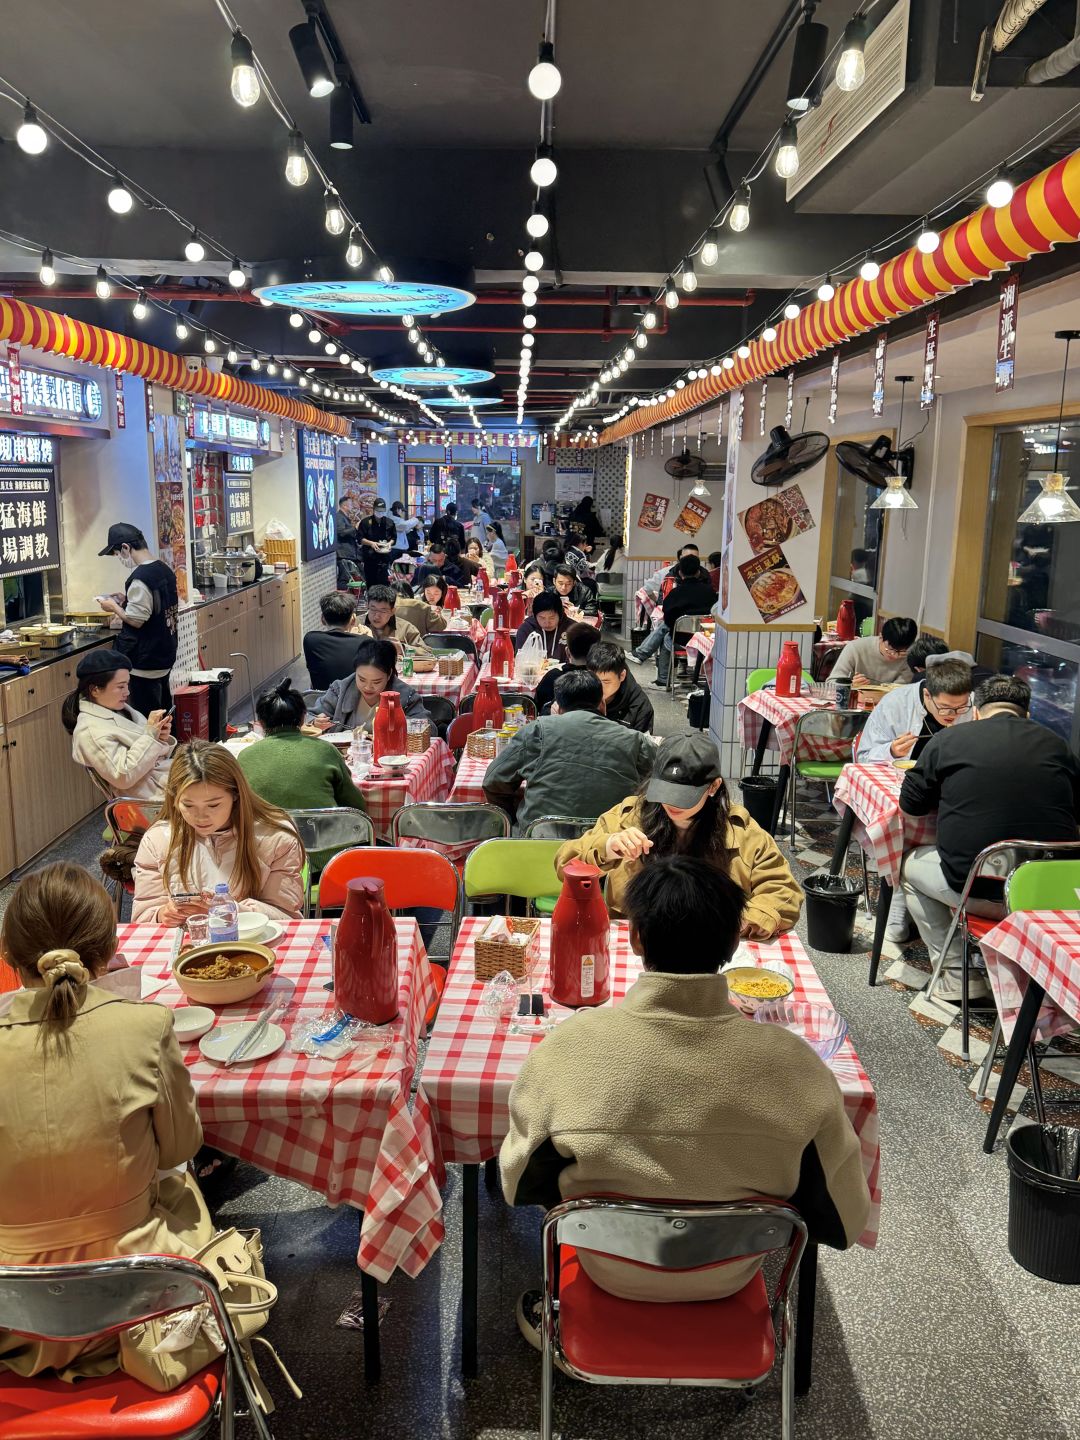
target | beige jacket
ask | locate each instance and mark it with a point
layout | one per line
(281, 859)
(115, 744)
(83, 1134)
(421, 616)
(675, 1095)
(773, 898)
(403, 631)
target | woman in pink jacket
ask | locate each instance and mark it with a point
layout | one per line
(214, 828)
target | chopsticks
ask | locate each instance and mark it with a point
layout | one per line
(256, 1033)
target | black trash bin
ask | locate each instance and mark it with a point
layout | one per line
(1044, 1200)
(759, 797)
(831, 902)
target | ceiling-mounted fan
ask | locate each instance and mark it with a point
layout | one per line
(788, 455)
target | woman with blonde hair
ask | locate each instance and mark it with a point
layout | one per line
(215, 829)
(100, 1103)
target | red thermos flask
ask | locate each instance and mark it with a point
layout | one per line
(845, 620)
(365, 954)
(580, 930)
(789, 670)
(390, 732)
(502, 655)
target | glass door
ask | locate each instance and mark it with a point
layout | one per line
(858, 533)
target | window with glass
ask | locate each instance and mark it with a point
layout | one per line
(856, 548)
(430, 487)
(1029, 611)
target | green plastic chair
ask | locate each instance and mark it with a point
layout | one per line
(486, 615)
(1044, 885)
(835, 731)
(867, 627)
(525, 868)
(759, 678)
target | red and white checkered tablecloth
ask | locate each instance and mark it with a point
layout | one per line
(700, 644)
(342, 1128)
(784, 713)
(511, 684)
(1043, 945)
(427, 777)
(872, 791)
(452, 687)
(461, 1109)
(468, 786)
(649, 604)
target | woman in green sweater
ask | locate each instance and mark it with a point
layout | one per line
(294, 771)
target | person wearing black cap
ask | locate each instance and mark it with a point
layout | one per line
(148, 617)
(683, 809)
(375, 536)
(130, 752)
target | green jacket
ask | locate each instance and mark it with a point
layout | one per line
(299, 772)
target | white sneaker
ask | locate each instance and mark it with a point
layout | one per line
(950, 986)
(900, 934)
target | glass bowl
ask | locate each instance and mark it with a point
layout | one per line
(822, 1027)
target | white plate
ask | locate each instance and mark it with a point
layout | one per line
(270, 934)
(191, 1021)
(225, 1038)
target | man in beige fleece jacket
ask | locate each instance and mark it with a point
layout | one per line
(675, 1095)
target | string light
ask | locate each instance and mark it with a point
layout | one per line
(120, 197)
(769, 334)
(537, 223)
(791, 311)
(182, 331)
(101, 286)
(928, 239)
(244, 85)
(31, 136)
(296, 319)
(529, 321)
(47, 273)
(869, 269)
(543, 171)
(1000, 191)
(671, 296)
(641, 339)
(688, 276)
(826, 290)
(237, 275)
(140, 309)
(787, 152)
(534, 260)
(851, 67)
(649, 319)
(296, 166)
(335, 217)
(209, 344)
(354, 252)
(739, 216)
(231, 356)
(545, 79)
(386, 275)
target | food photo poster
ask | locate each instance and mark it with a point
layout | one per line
(773, 587)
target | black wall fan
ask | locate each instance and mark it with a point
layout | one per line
(878, 462)
(788, 455)
(686, 466)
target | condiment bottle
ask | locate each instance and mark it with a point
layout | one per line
(390, 730)
(580, 931)
(789, 670)
(365, 954)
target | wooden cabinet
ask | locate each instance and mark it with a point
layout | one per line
(7, 828)
(262, 623)
(49, 792)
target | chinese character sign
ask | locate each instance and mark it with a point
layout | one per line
(880, 348)
(15, 380)
(929, 370)
(121, 408)
(29, 534)
(318, 494)
(834, 386)
(761, 406)
(790, 406)
(1008, 305)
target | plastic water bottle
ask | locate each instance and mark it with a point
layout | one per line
(223, 916)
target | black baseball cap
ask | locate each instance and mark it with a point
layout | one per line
(101, 662)
(124, 535)
(686, 765)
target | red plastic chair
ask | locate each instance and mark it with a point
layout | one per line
(731, 1343)
(100, 1297)
(8, 979)
(459, 732)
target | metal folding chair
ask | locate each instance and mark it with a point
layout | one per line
(452, 640)
(412, 880)
(126, 817)
(509, 697)
(451, 830)
(522, 868)
(558, 827)
(731, 1343)
(821, 748)
(333, 828)
(685, 625)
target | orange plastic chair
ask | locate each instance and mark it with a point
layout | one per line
(8, 979)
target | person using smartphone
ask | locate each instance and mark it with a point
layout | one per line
(130, 753)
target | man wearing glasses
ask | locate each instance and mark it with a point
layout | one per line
(878, 659)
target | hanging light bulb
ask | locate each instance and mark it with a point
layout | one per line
(700, 489)
(303, 382)
(101, 286)
(1000, 191)
(739, 216)
(231, 356)
(716, 369)
(769, 334)
(330, 348)
(545, 78)
(413, 336)
(31, 136)
(271, 367)
(386, 275)
(534, 260)
(528, 300)
(182, 331)
(641, 339)
(791, 310)
(314, 336)
(195, 250)
(304, 39)
(47, 273)
(354, 252)
(528, 341)
(826, 290)
(140, 309)
(543, 171)
(359, 367)
(649, 318)
(209, 344)
(671, 296)
(851, 67)
(928, 240)
(786, 163)
(335, 216)
(895, 497)
(537, 224)
(531, 284)
(119, 197)
(287, 373)
(296, 165)
(728, 362)
(743, 352)
(1052, 506)
(237, 276)
(710, 250)
(869, 269)
(256, 363)
(529, 321)
(688, 276)
(296, 319)
(244, 85)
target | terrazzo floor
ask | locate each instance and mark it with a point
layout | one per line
(936, 1333)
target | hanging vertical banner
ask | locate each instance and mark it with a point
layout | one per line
(880, 347)
(121, 408)
(513, 455)
(363, 449)
(790, 406)
(281, 434)
(926, 393)
(148, 395)
(834, 386)
(1008, 305)
(484, 453)
(761, 406)
(189, 422)
(551, 455)
(401, 454)
(292, 437)
(15, 379)
(737, 414)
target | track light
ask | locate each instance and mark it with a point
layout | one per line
(710, 251)
(688, 276)
(826, 290)
(928, 239)
(182, 331)
(739, 217)
(119, 197)
(304, 39)
(787, 152)
(102, 287)
(140, 309)
(768, 334)
(544, 78)
(534, 260)
(335, 216)
(1000, 191)
(296, 166)
(869, 269)
(537, 223)
(791, 311)
(671, 296)
(341, 118)
(195, 250)
(851, 67)
(804, 78)
(543, 171)
(237, 277)
(354, 251)
(209, 344)
(47, 273)
(31, 136)
(244, 85)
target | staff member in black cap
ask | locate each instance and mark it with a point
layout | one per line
(683, 809)
(130, 752)
(148, 618)
(376, 534)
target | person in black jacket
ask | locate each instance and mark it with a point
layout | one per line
(376, 534)
(577, 642)
(330, 653)
(448, 527)
(692, 594)
(147, 617)
(1004, 778)
(624, 700)
(548, 620)
(576, 595)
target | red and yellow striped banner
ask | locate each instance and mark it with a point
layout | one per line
(60, 335)
(1044, 212)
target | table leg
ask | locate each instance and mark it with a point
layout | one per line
(491, 1173)
(804, 1319)
(1023, 1029)
(843, 842)
(761, 746)
(881, 919)
(369, 1304)
(782, 777)
(470, 1176)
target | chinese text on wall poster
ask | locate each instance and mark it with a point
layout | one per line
(29, 538)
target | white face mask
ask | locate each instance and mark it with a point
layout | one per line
(127, 560)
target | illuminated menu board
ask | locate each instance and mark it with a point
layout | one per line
(29, 532)
(318, 494)
(46, 392)
(224, 427)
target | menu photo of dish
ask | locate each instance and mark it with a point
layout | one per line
(773, 588)
(653, 510)
(770, 522)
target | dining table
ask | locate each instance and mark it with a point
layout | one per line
(341, 1127)
(468, 786)
(768, 721)
(450, 687)
(461, 1110)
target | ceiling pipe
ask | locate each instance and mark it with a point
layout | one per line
(1014, 15)
(764, 63)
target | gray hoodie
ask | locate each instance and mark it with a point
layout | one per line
(346, 707)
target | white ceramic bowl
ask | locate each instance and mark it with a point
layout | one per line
(394, 762)
(191, 1021)
(250, 924)
(223, 992)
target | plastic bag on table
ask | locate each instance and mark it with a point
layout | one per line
(332, 1034)
(530, 659)
(499, 1000)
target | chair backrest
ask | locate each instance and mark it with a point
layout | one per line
(867, 627)
(525, 868)
(460, 731)
(998, 861)
(335, 827)
(438, 823)
(558, 827)
(441, 712)
(687, 625)
(126, 816)
(411, 879)
(486, 614)
(509, 697)
(452, 640)
(826, 736)
(1044, 885)
(98, 783)
(312, 697)
(757, 678)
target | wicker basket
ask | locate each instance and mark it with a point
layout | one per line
(424, 665)
(418, 741)
(492, 956)
(452, 662)
(481, 745)
(280, 550)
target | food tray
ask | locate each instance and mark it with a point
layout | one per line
(452, 662)
(49, 637)
(424, 665)
(19, 651)
(492, 956)
(418, 741)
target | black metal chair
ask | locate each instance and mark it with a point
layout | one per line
(451, 640)
(558, 827)
(442, 711)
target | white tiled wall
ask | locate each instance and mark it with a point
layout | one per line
(317, 578)
(187, 647)
(735, 654)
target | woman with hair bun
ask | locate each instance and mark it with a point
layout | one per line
(292, 770)
(98, 1105)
